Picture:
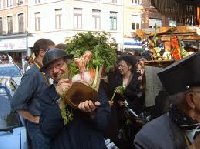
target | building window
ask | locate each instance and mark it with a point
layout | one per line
(136, 22)
(172, 23)
(1, 6)
(37, 1)
(10, 24)
(114, 1)
(189, 8)
(137, 2)
(1, 25)
(37, 21)
(21, 22)
(58, 18)
(78, 18)
(9, 3)
(135, 26)
(19, 2)
(155, 23)
(96, 15)
(113, 20)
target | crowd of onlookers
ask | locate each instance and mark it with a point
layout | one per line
(4, 58)
(129, 73)
(117, 116)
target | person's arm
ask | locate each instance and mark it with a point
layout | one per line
(102, 113)
(28, 116)
(24, 94)
(155, 135)
(143, 141)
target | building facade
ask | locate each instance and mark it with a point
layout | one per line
(22, 22)
(13, 28)
(59, 20)
(139, 14)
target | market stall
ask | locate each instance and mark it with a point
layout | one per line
(166, 45)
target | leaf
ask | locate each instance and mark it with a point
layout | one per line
(104, 53)
(120, 90)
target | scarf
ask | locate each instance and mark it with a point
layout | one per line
(186, 123)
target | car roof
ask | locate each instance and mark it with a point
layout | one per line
(6, 88)
(8, 64)
(2, 65)
(8, 82)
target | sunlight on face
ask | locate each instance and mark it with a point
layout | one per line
(58, 69)
(123, 67)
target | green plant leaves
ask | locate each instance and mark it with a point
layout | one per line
(104, 53)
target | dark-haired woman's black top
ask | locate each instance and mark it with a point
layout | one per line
(132, 92)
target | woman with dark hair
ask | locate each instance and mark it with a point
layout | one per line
(126, 76)
(124, 90)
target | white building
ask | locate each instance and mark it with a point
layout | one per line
(61, 19)
(22, 22)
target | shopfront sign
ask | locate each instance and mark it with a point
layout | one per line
(13, 44)
(132, 43)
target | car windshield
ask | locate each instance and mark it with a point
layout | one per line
(7, 117)
(11, 71)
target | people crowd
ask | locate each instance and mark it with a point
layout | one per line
(5, 58)
(114, 121)
(179, 128)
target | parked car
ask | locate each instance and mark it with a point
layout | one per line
(11, 70)
(13, 134)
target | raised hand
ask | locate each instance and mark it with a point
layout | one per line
(88, 106)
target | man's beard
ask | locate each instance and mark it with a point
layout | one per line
(63, 75)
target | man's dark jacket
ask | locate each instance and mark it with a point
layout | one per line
(82, 132)
(32, 85)
(160, 133)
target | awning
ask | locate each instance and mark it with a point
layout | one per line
(132, 43)
(8, 45)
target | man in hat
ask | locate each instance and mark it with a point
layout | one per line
(26, 98)
(179, 128)
(70, 128)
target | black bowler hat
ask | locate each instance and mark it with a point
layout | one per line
(53, 54)
(181, 75)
